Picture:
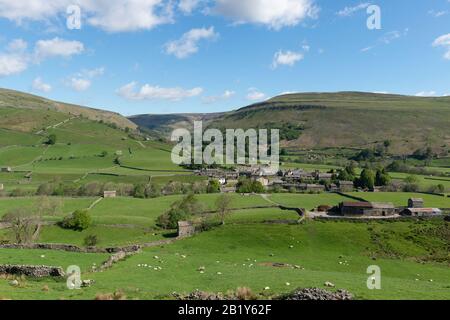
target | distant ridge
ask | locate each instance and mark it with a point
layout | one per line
(340, 119)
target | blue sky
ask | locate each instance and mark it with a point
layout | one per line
(157, 56)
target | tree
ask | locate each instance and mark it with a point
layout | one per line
(213, 186)
(51, 139)
(24, 225)
(382, 178)
(367, 179)
(179, 211)
(78, 221)
(223, 206)
(246, 185)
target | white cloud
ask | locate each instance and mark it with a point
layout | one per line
(438, 14)
(287, 58)
(426, 94)
(443, 41)
(81, 81)
(112, 16)
(275, 14)
(228, 94)
(92, 73)
(387, 38)
(79, 84)
(128, 15)
(17, 46)
(40, 85)
(349, 11)
(187, 6)
(11, 64)
(255, 95)
(57, 47)
(31, 9)
(148, 92)
(188, 43)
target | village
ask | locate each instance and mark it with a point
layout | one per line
(302, 181)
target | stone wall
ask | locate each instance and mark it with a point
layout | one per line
(70, 248)
(32, 271)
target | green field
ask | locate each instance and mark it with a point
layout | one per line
(401, 198)
(242, 255)
(259, 245)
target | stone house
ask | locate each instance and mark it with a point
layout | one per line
(6, 169)
(185, 229)
(415, 203)
(109, 194)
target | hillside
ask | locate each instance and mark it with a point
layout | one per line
(344, 119)
(25, 112)
(165, 123)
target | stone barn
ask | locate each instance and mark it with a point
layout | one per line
(6, 169)
(185, 229)
(421, 212)
(346, 186)
(415, 203)
(367, 209)
(109, 194)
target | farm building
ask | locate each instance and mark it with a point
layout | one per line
(323, 176)
(6, 169)
(109, 194)
(346, 186)
(415, 203)
(421, 212)
(366, 209)
(185, 229)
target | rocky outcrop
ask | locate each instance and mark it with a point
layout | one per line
(32, 271)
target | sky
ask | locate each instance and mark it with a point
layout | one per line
(198, 56)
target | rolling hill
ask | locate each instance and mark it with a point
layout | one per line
(343, 119)
(25, 112)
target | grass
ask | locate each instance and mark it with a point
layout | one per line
(52, 258)
(401, 198)
(243, 253)
(307, 201)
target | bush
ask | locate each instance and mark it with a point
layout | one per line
(213, 186)
(169, 220)
(51, 140)
(246, 185)
(179, 211)
(91, 240)
(79, 221)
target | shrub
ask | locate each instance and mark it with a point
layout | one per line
(213, 186)
(91, 240)
(179, 211)
(51, 140)
(246, 185)
(79, 221)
